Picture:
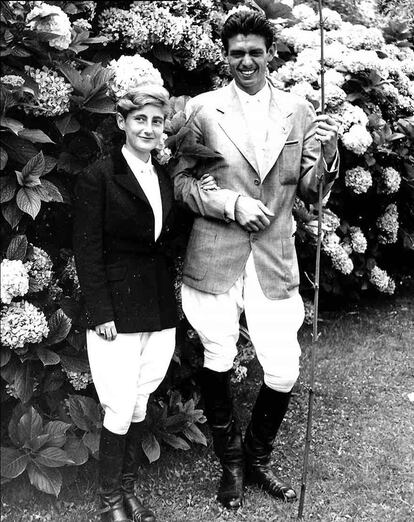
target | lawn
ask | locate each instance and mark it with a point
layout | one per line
(362, 456)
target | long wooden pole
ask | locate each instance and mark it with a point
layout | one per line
(315, 334)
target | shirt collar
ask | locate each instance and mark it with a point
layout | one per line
(135, 163)
(262, 96)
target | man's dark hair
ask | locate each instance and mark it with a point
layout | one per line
(247, 22)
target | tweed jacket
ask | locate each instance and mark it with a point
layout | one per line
(219, 247)
(125, 276)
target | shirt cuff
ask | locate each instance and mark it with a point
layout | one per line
(229, 206)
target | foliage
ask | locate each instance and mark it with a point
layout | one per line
(63, 64)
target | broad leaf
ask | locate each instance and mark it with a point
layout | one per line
(84, 412)
(151, 447)
(48, 191)
(74, 364)
(175, 441)
(13, 462)
(23, 382)
(57, 433)
(11, 213)
(50, 164)
(91, 441)
(19, 149)
(48, 357)
(67, 124)
(59, 327)
(29, 426)
(5, 354)
(12, 124)
(53, 458)
(31, 172)
(28, 201)
(100, 104)
(17, 248)
(194, 434)
(76, 450)
(35, 136)
(3, 158)
(8, 186)
(48, 480)
(37, 442)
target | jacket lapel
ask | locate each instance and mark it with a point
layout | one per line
(124, 176)
(234, 125)
(165, 190)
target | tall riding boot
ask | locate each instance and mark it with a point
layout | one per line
(227, 438)
(111, 456)
(132, 458)
(267, 415)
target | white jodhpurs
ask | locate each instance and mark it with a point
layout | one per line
(273, 326)
(126, 371)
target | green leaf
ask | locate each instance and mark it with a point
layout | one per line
(11, 213)
(8, 186)
(59, 327)
(53, 458)
(151, 447)
(12, 124)
(48, 191)
(29, 426)
(17, 248)
(67, 124)
(5, 354)
(13, 462)
(76, 450)
(23, 382)
(84, 412)
(31, 172)
(100, 104)
(74, 364)
(91, 441)
(3, 158)
(18, 149)
(28, 201)
(50, 164)
(57, 433)
(175, 441)
(37, 442)
(194, 434)
(35, 136)
(48, 357)
(48, 480)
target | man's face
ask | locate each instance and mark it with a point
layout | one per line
(248, 58)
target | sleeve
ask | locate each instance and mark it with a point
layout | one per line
(88, 227)
(218, 204)
(313, 165)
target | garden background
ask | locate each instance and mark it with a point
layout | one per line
(63, 64)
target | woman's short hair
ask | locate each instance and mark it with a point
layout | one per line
(147, 94)
(247, 22)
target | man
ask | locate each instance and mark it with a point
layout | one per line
(241, 252)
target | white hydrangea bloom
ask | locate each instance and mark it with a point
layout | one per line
(331, 19)
(341, 260)
(307, 17)
(12, 79)
(333, 77)
(365, 60)
(348, 115)
(83, 24)
(334, 96)
(381, 280)
(299, 39)
(357, 36)
(335, 53)
(358, 240)
(79, 380)
(388, 225)
(358, 179)
(46, 18)
(22, 323)
(295, 72)
(357, 139)
(53, 96)
(305, 90)
(14, 280)
(330, 242)
(131, 72)
(39, 267)
(390, 181)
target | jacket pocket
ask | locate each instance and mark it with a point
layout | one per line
(289, 163)
(200, 250)
(116, 272)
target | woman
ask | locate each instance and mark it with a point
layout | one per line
(123, 231)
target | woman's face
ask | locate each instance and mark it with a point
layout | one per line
(143, 129)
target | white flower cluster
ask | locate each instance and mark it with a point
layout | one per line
(365, 60)
(164, 154)
(13, 80)
(358, 179)
(79, 380)
(309, 19)
(388, 225)
(39, 267)
(297, 72)
(357, 36)
(390, 181)
(82, 24)
(299, 39)
(381, 280)
(53, 97)
(131, 72)
(304, 90)
(358, 240)
(357, 139)
(334, 96)
(14, 280)
(331, 245)
(239, 372)
(333, 77)
(309, 311)
(22, 323)
(348, 115)
(46, 18)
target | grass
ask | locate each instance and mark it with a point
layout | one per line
(362, 453)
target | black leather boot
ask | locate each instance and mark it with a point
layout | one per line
(267, 415)
(227, 439)
(111, 456)
(132, 458)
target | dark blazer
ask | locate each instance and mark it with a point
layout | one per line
(124, 275)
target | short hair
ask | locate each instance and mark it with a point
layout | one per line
(147, 94)
(247, 22)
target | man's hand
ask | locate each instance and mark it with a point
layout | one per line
(207, 182)
(107, 330)
(252, 214)
(327, 134)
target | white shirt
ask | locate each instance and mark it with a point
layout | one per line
(148, 179)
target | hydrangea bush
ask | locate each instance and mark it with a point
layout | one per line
(63, 66)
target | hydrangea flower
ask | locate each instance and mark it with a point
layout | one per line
(390, 181)
(307, 17)
(357, 139)
(357, 36)
(365, 60)
(334, 96)
(14, 280)
(79, 380)
(339, 257)
(358, 179)
(13, 80)
(46, 18)
(299, 39)
(82, 24)
(381, 280)
(305, 90)
(358, 240)
(22, 323)
(347, 115)
(333, 77)
(39, 268)
(130, 72)
(53, 97)
(388, 225)
(298, 71)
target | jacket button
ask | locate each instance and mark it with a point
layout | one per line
(257, 181)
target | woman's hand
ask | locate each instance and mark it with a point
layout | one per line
(107, 330)
(207, 182)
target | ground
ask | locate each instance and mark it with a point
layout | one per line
(362, 452)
